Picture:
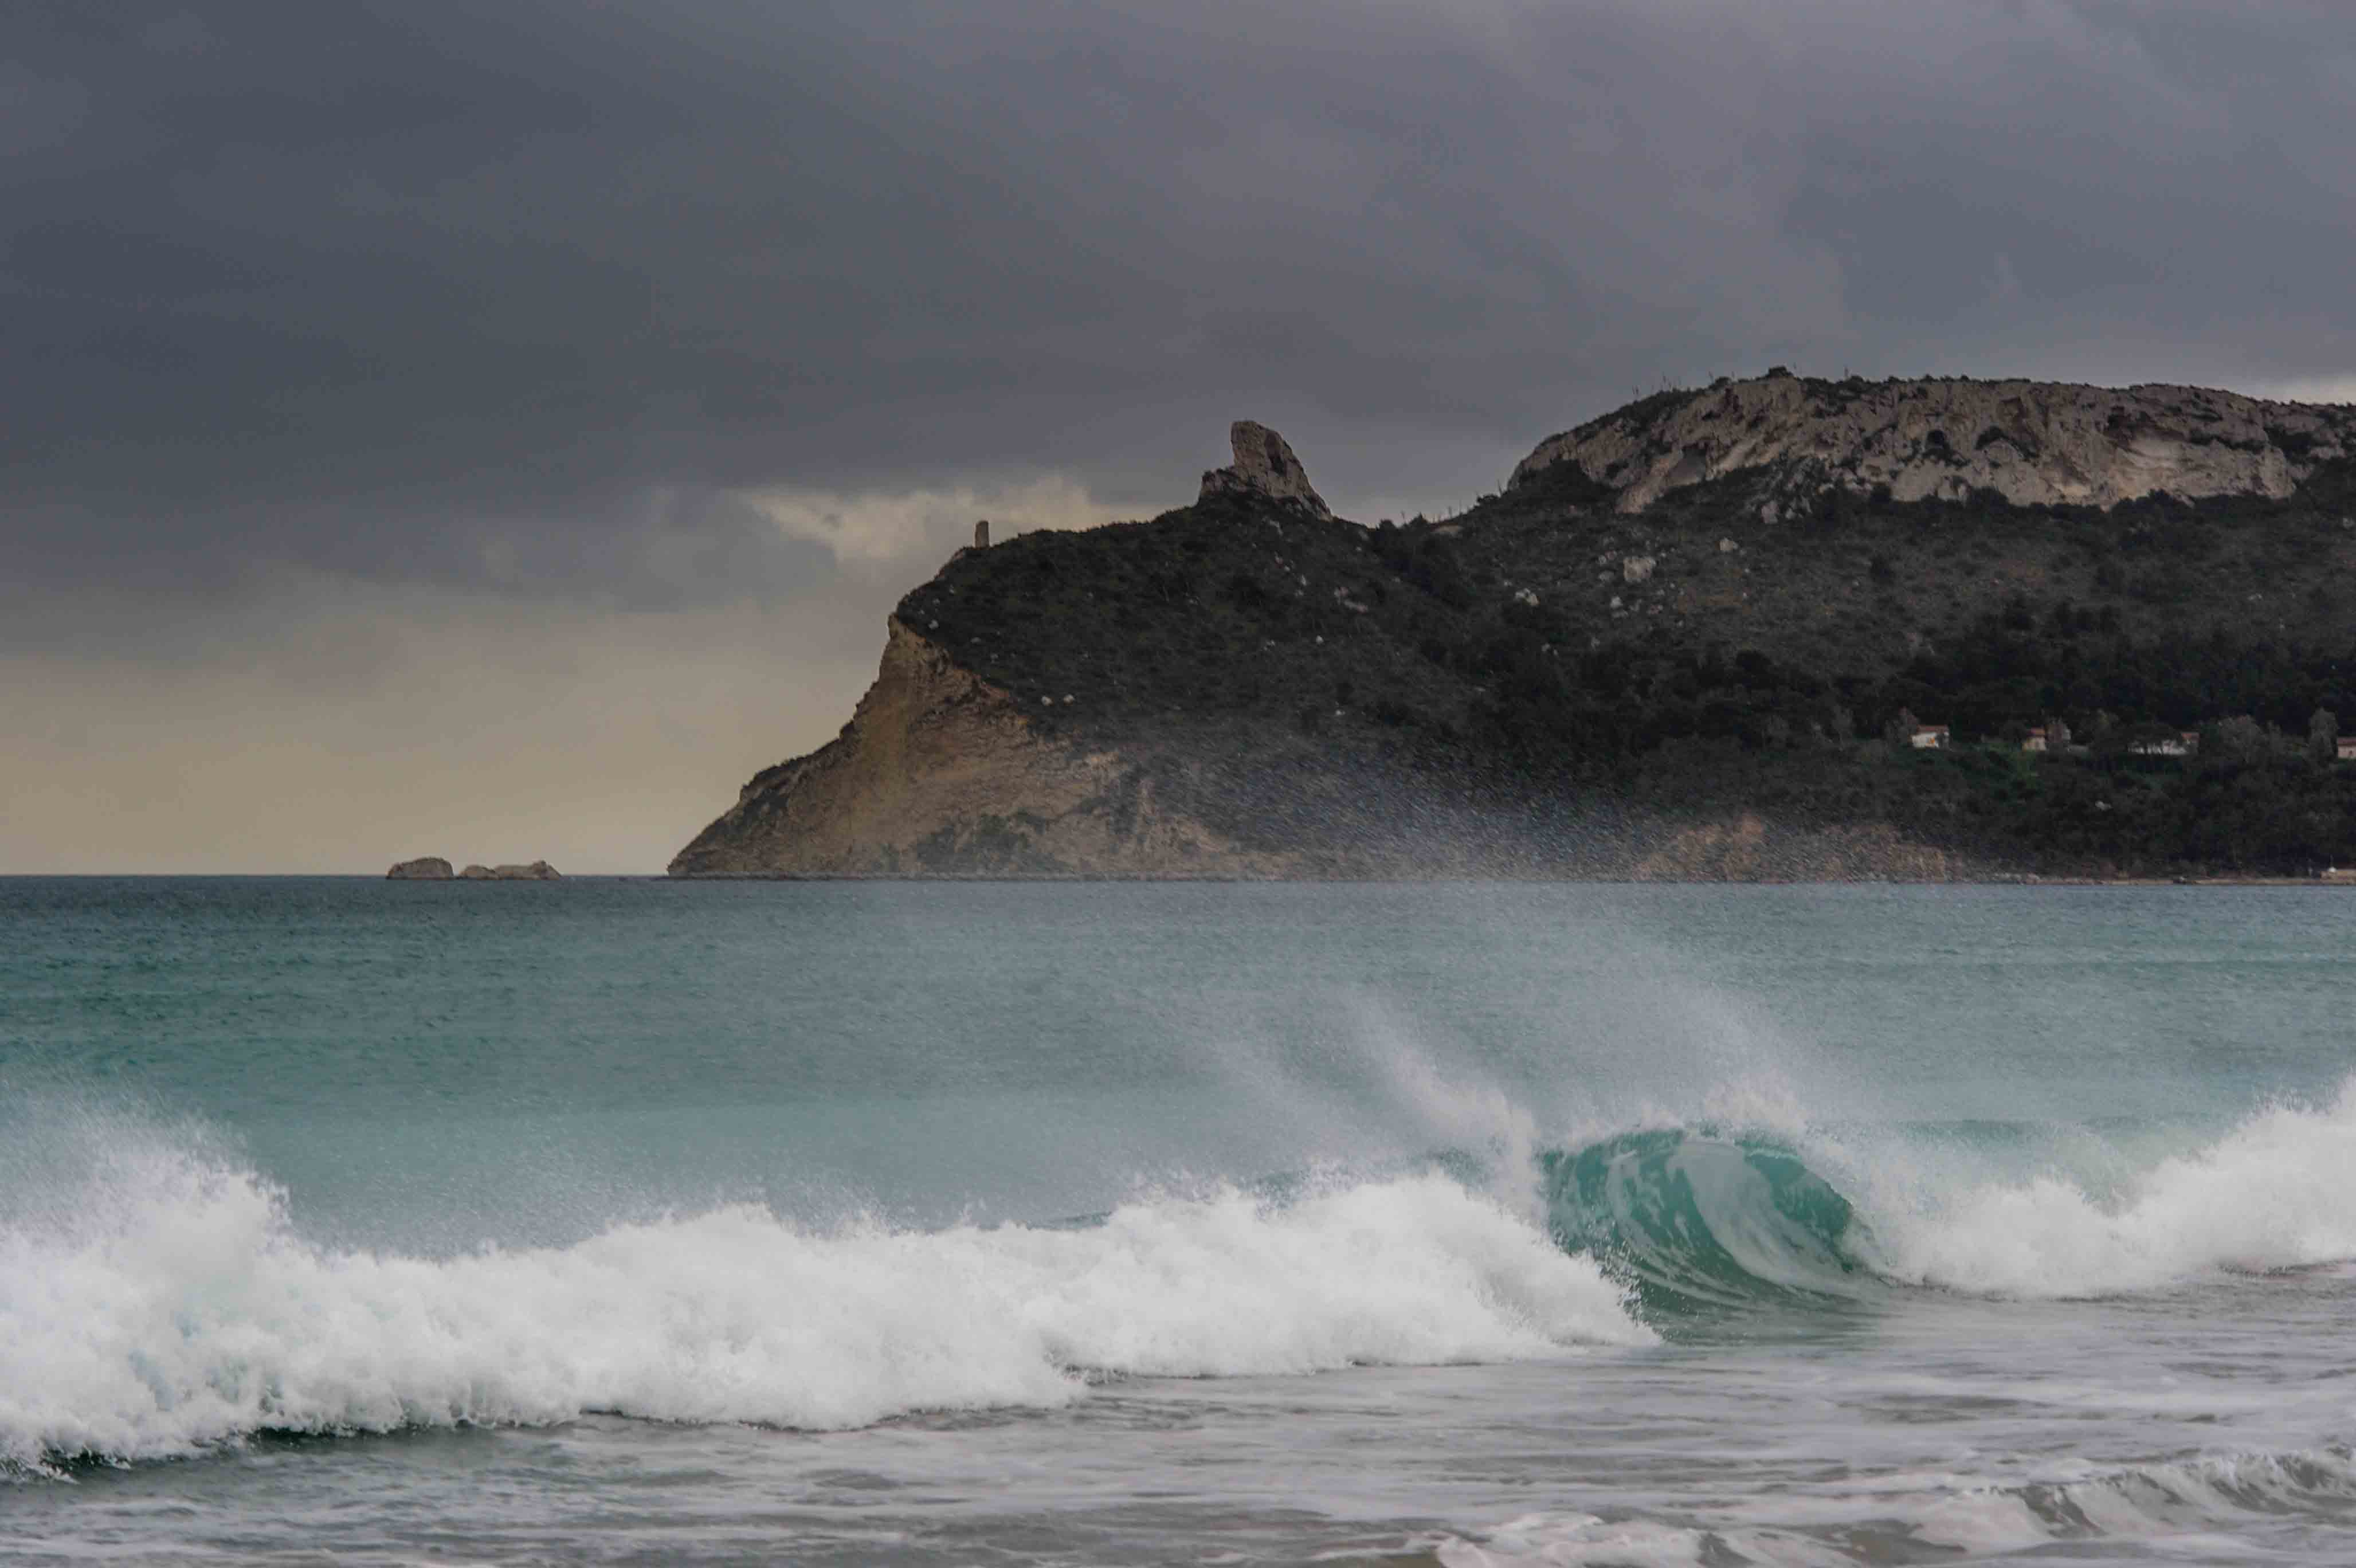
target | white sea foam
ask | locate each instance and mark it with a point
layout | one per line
(2277, 1192)
(1892, 1519)
(1578, 1540)
(170, 1303)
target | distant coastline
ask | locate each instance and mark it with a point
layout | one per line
(433, 868)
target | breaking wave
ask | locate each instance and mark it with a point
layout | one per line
(157, 1297)
(1701, 1218)
(1692, 1220)
(169, 1304)
(2277, 1192)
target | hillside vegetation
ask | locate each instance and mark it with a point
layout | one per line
(1746, 640)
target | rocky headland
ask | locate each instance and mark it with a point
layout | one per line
(1691, 640)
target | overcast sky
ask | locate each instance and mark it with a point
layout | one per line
(496, 429)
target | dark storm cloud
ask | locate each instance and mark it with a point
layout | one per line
(2168, 171)
(518, 294)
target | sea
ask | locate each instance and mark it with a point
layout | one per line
(631, 1221)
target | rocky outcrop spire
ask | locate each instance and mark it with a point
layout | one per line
(1264, 469)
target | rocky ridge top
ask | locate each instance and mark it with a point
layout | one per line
(2034, 443)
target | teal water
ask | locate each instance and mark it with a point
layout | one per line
(625, 1221)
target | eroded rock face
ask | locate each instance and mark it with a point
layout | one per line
(1264, 468)
(2036, 443)
(940, 773)
(424, 868)
(537, 870)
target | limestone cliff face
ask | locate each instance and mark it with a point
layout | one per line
(939, 773)
(2034, 442)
